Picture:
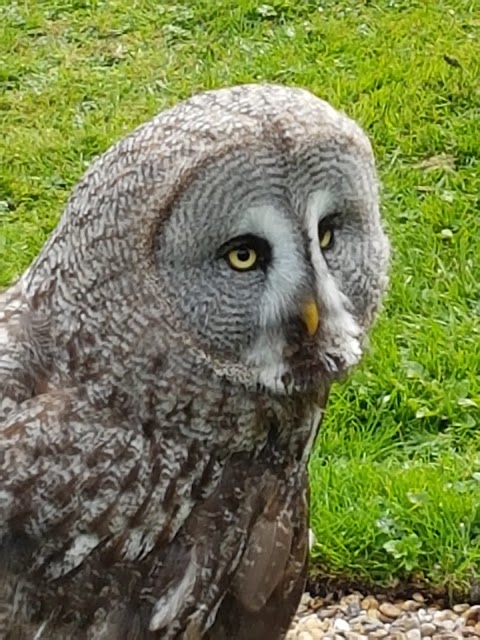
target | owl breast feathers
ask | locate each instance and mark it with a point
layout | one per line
(164, 366)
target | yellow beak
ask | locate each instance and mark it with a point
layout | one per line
(310, 316)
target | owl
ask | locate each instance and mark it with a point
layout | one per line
(165, 363)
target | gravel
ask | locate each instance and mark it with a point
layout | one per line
(358, 617)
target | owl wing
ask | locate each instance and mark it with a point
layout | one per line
(63, 468)
(244, 552)
(77, 482)
(266, 590)
(74, 478)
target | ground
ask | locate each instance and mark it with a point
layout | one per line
(396, 470)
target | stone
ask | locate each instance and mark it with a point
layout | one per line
(461, 608)
(385, 619)
(373, 614)
(370, 602)
(373, 625)
(459, 624)
(378, 634)
(372, 617)
(353, 610)
(390, 610)
(472, 613)
(311, 622)
(423, 616)
(408, 623)
(327, 613)
(427, 628)
(352, 598)
(447, 615)
(341, 626)
(359, 619)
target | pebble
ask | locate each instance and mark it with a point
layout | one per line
(472, 613)
(370, 602)
(461, 608)
(389, 610)
(372, 617)
(341, 626)
(427, 629)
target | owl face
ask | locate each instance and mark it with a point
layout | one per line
(243, 222)
(276, 259)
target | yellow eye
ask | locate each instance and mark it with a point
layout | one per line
(326, 239)
(242, 259)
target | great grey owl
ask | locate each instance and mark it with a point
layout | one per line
(164, 366)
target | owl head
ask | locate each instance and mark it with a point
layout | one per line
(245, 219)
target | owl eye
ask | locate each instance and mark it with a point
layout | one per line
(326, 239)
(326, 231)
(242, 259)
(246, 253)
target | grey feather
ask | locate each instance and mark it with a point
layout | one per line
(157, 406)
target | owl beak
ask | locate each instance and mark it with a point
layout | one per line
(310, 316)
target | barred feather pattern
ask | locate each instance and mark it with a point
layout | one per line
(157, 410)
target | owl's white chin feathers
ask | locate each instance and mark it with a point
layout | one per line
(321, 360)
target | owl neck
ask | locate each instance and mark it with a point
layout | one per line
(184, 394)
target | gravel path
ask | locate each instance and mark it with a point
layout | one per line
(356, 617)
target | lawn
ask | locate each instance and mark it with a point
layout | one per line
(395, 473)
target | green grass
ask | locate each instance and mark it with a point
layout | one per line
(396, 470)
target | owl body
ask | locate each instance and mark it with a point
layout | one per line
(109, 534)
(164, 366)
